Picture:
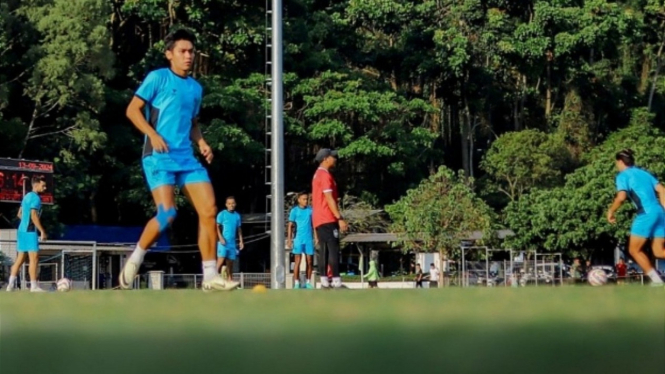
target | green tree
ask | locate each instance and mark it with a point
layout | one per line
(438, 214)
(520, 161)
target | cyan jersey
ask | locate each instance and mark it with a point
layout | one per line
(230, 222)
(30, 201)
(302, 217)
(172, 103)
(641, 189)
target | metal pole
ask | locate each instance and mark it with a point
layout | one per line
(463, 269)
(487, 267)
(277, 275)
(94, 266)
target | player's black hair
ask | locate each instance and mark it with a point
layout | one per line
(627, 156)
(230, 198)
(176, 35)
(38, 179)
(302, 193)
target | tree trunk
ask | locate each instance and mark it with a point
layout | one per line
(35, 114)
(93, 207)
(548, 92)
(464, 137)
(659, 64)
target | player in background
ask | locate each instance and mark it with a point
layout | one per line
(305, 238)
(228, 229)
(327, 218)
(27, 240)
(644, 191)
(165, 108)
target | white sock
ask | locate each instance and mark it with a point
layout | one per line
(325, 282)
(337, 282)
(12, 281)
(209, 270)
(655, 278)
(138, 255)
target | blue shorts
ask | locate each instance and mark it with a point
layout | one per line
(157, 174)
(27, 242)
(650, 225)
(303, 247)
(226, 251)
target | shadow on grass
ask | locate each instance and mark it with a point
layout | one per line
(554, 348)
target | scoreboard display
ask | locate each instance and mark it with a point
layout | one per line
(17, 174)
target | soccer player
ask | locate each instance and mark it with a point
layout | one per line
(165, 108)
(326, 216)
(27, 240)
(305, 238)
(644, 191)
(228, 229)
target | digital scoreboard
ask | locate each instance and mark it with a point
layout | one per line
(15, 174)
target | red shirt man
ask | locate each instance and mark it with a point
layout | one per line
(326, 217)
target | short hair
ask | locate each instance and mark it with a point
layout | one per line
(176, 35)
(432, 264)
(301, 193)
(627, 156)
(38, 179)
(230, 198)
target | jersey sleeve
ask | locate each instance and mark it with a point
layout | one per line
(654, 182)
(327, 183)
(622, 182)
(220, 218)
(239, 221)
(292, 215)
(149, 88)
(35, 202)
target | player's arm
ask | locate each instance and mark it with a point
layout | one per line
(661, 194)
(316, 236)
(332, 204)
(241, 242)
(289, 231)
(219, 234)
(34, 216)
(20, 212)
(618, 200)
(196, 136)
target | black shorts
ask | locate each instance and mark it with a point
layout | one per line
(433, 284)
(373, 283)
(328, 233)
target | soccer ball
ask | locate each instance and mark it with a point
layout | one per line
(64, 285)
(597, 277)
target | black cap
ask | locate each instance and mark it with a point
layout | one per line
(323, 153)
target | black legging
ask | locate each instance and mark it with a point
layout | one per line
(329, 252)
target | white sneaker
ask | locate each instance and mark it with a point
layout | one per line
(657, 284)
(37, 289)
(128, 274)
(10, 287)
(219, 284)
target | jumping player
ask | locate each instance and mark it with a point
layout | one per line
(644, 191)
(165, 108)
(228, 229)
(328, 221)
(305, 238)
(27, 240)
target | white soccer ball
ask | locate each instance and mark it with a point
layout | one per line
(597, 277)
(64, 285)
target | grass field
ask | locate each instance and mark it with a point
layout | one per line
(528, 330)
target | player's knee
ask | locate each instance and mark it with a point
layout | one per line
(208, 212)
(165, 217)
